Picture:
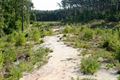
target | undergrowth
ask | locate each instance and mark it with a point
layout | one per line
(100, 43)
(17, 54)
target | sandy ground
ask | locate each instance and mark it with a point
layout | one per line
(64, 64)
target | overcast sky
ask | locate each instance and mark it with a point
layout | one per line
(46, 4)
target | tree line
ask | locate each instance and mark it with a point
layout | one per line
(82, 10)
(54, 15)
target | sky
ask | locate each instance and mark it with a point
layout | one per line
(46, 4)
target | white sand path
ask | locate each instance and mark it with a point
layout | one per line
(63, 64)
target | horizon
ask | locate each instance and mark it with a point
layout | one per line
(46, 4)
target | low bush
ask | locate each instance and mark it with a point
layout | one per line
(25, 67)
(1, 60)
(118, 55)
(11, 38)
(36, 36)
(87, 34)
(14, 73)
(9, 55)
(105, 55)
(39, 56)
(15, 68)
(68, 29)
(89, 65)
(82, 44)
(20, 39)
(47, 32)
(111, 41)
(110, 66)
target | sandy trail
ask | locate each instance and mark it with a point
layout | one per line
(63, 64)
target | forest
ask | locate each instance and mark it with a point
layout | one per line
(79, 41)
(84, 10)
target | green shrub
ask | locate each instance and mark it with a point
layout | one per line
(14, 74)
(36, 36)
(50, 32)
(26, 66)
(68, 29)
(1, 60)
(88, 34)
(111, 42)
(21, 40)
(109, 66)
(118, 55)
(47, 32)
(2, 44)
(11, 38)
(99, 32)
(18, 24)
(102, 53)
(89, 65)
(82, 44)
(39, 56)
(9, 55)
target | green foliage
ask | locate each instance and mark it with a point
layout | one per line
(68, 29)
(47, 32)
(82, 44)
(88, 11)
(18, 24)
(87, 34)
(95, 38)
(15, 73)
(16, 55)
(100, 43)
(109, 66)
(12, 37)
(9, 55)
(1, 60)
(39, 56)
(44, 28)
(36, 35)
(26, 66)
(50, 32)
(118, 55)
(111, 41)
(101, 54)
(21, 40)
(10, 16)
(17, 64)
(89, 65)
